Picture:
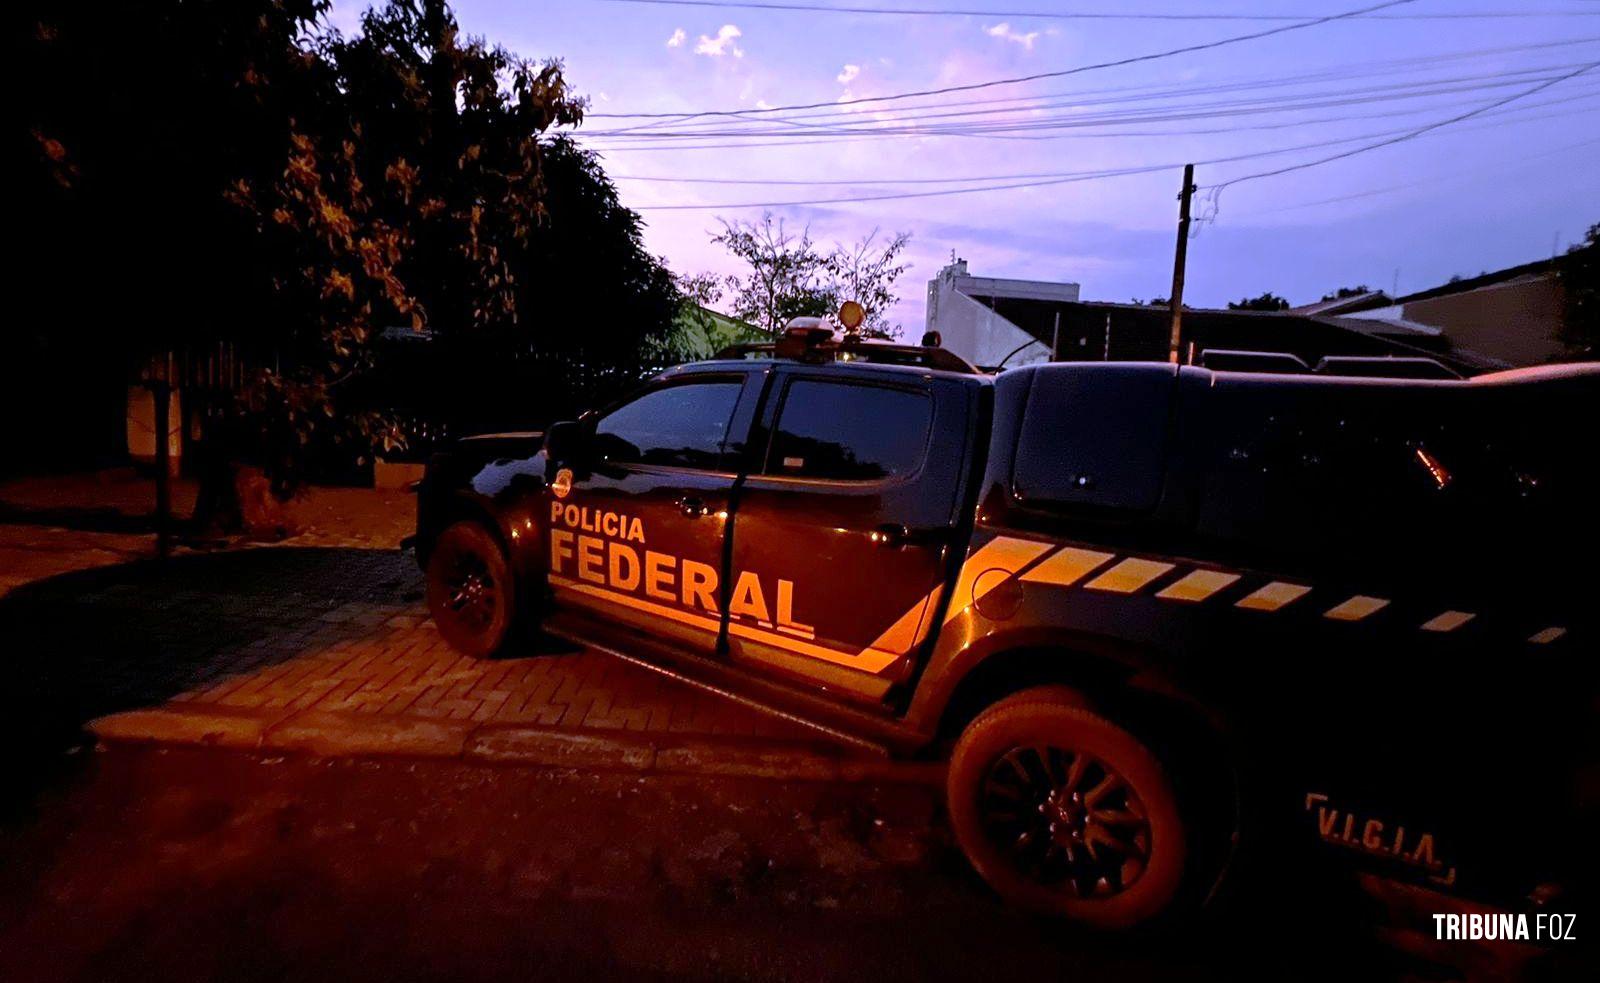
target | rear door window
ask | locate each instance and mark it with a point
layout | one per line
(836, 431)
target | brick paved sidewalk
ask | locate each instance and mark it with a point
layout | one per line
(59, 524)
(317, 632)
(382, 659)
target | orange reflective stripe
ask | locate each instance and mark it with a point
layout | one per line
(1274, 596)
(868, 660)
(1448, 621)
(1198, 585)
(1356, 608)
(1001, 553)
(638, 604)
(1066, 566)
(906, 632)
(1129, 575)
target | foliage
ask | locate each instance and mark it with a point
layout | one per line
(1344, 292)
(231, 170)
(1266, 302)
(1579, 271)
(866, 273)
(790, 276)
(703, 289)
(595, 308)
(332, 263)
(446, 129)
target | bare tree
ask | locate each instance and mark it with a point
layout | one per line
(866, 273)
(787, 278)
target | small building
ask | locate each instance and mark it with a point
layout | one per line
(965, 310)
(1004, 323)
(1351, 303)
(1511, 317)
(700, 332)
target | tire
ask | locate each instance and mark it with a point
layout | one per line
(1063, 812)
(471, 594)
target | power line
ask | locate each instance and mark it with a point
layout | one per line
(1372, 192)
(971, 86)
(1018, 130)
(1150, 92)
(1090, 15)
(1362, 70)
(1091, 133)
(893, 197)
(1066, 177)
(1123, 172)
(1411, 135)
(856, 182)
(973, 122)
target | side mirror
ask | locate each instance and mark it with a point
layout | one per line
(565, 442)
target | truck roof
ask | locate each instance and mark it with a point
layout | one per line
(1570, 372)
(843, 368)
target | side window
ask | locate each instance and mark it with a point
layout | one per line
(684, 426)
(1093, 437)
(848, 432)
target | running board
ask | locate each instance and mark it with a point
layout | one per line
(719, 679)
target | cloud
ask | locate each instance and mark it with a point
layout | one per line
(848, 74)
(722, 43)
(677, 39)
(1005, 32)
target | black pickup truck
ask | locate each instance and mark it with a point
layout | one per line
(1158, 617)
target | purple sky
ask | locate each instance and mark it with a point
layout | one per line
(1481, 194)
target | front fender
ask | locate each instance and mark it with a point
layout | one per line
(504, 493)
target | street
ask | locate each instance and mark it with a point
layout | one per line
(320, 854)
(211, 864)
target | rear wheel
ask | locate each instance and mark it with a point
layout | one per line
(1064, 812)
(470, 591)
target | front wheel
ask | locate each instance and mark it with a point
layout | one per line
(470, 591)
(1064, 812)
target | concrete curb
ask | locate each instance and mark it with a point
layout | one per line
(333, 733)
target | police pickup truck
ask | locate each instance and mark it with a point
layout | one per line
(1160, 618)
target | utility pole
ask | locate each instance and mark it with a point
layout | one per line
(1179, 259)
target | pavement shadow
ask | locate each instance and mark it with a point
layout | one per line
(97, 519)
(89, 643)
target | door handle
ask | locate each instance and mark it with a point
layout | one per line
(693, 507)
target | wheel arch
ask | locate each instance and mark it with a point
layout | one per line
(1125, 684)
(956, 689)
(458, 506)
(516, 533)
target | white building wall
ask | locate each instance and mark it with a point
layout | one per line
(975, 332)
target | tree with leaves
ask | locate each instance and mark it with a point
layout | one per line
(1345, 292)
(787, 275)
(1266, 302)
(398, 177)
